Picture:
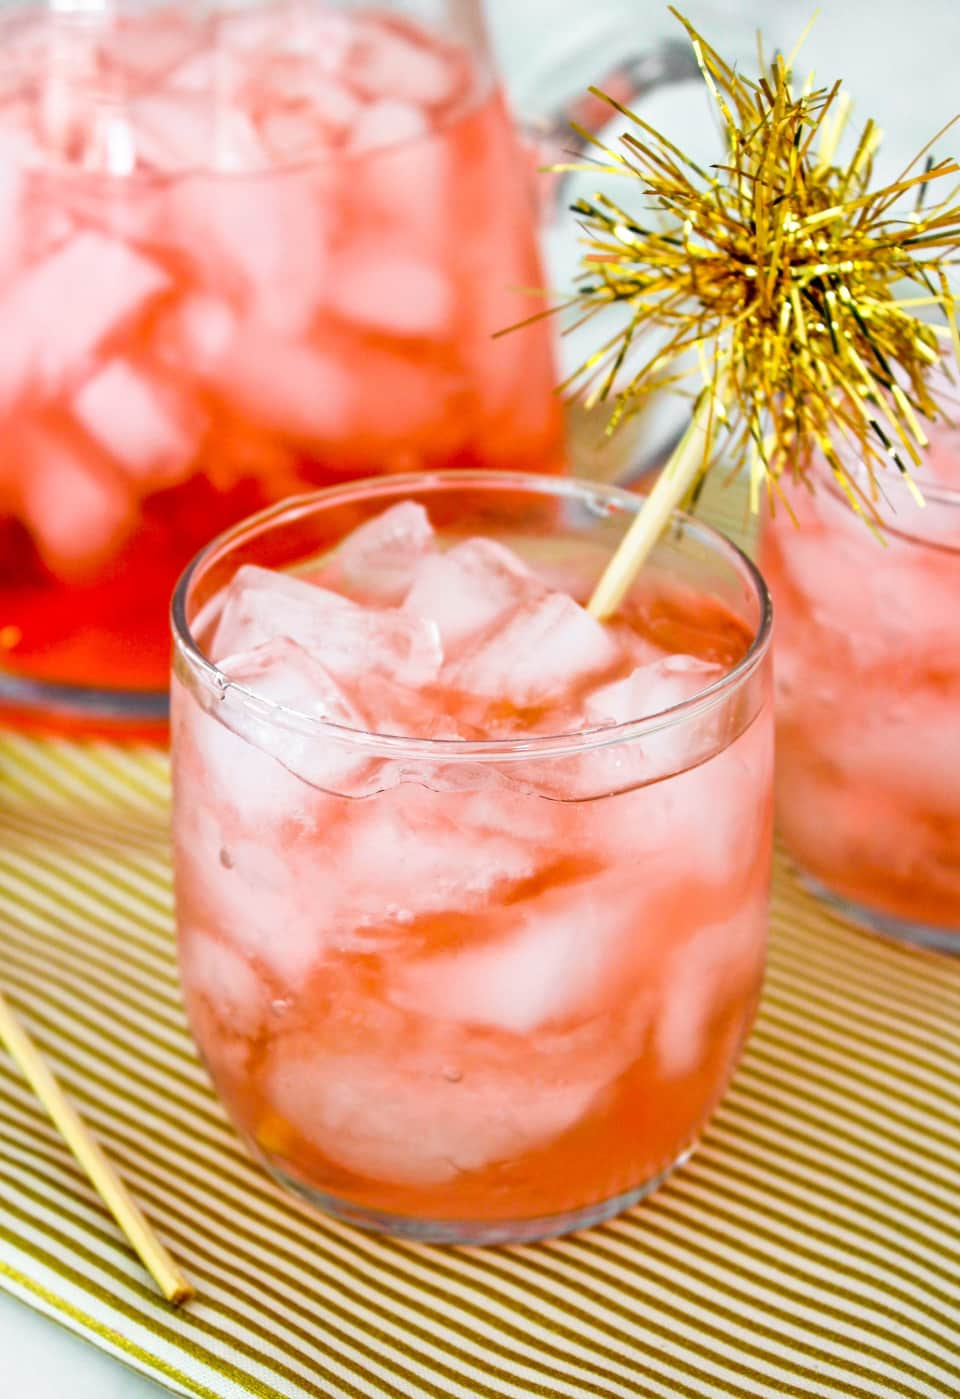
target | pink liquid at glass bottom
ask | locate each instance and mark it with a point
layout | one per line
(475, 995)
(868, 695)
(240, 256)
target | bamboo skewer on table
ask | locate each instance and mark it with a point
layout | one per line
(94, 1161)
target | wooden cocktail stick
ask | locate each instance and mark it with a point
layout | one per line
(92, 1158)
(672, 485)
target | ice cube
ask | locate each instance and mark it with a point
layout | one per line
(391, 292)
(291, 84)
(282, 672)
(226, 981)
(387, 123)
(487, 806)
(22, 143)
(141, 423)
(298, 130)
(11, 190)
(824, 567)
(54, 317)
(295, 27)
(720, 808)
(67, 90)
(406, 191)
(843, 598)
(427, 861)
(307, 395)
(393, 1115)
(465, 590)
(79, 509)
(352, 642)
(624, 763)
(880, 749)
(252, 29)
(638, 649)
(259, 896)
(177, 131)
(652, 688)
(81, 203)
(48, 224)
(260, 605)
(377, 562)
(390, 59)
(649, 690)
(265, 246)
(237, 147)
(291, 134)
(245, 786)
(225, 999)
(199, 73)
(722, 960)
(675, 790)
(565, 959)
(334, 104)
(546, 651)
(113, 146)
(198, 332)
(148, 47)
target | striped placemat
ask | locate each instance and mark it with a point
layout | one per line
(811, 1248)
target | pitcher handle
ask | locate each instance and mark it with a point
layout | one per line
(664, 63)
(552, 141)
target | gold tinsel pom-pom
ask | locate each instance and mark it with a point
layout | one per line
(778, 279)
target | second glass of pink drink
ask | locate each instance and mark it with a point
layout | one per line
(868, 695)
(243, 252)
(471, 889)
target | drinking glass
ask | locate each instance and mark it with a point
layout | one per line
(460, 990)
(868, 696)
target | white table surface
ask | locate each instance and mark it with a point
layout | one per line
(897, 59)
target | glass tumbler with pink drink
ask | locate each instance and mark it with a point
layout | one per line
(244, 251)
(472, 889)
(868, 692)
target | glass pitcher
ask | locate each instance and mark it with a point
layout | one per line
(244, 252)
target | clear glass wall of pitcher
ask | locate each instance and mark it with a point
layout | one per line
(244, 252)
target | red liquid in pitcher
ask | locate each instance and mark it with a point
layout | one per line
(239, 257)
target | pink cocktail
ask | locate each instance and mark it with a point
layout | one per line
(242, 253)
(868, 696)
(471, 889)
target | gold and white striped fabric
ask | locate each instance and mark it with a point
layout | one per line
(811, 1248)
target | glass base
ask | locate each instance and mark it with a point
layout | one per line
(45, 705)
(886, 924)
(473, 1231)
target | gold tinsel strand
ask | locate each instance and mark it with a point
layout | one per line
(781, 274)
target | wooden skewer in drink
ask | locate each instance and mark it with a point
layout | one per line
(672, 486)
(779, 274)
(88, 1152)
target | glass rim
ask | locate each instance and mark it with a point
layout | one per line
(934, 494)
(457, 749)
